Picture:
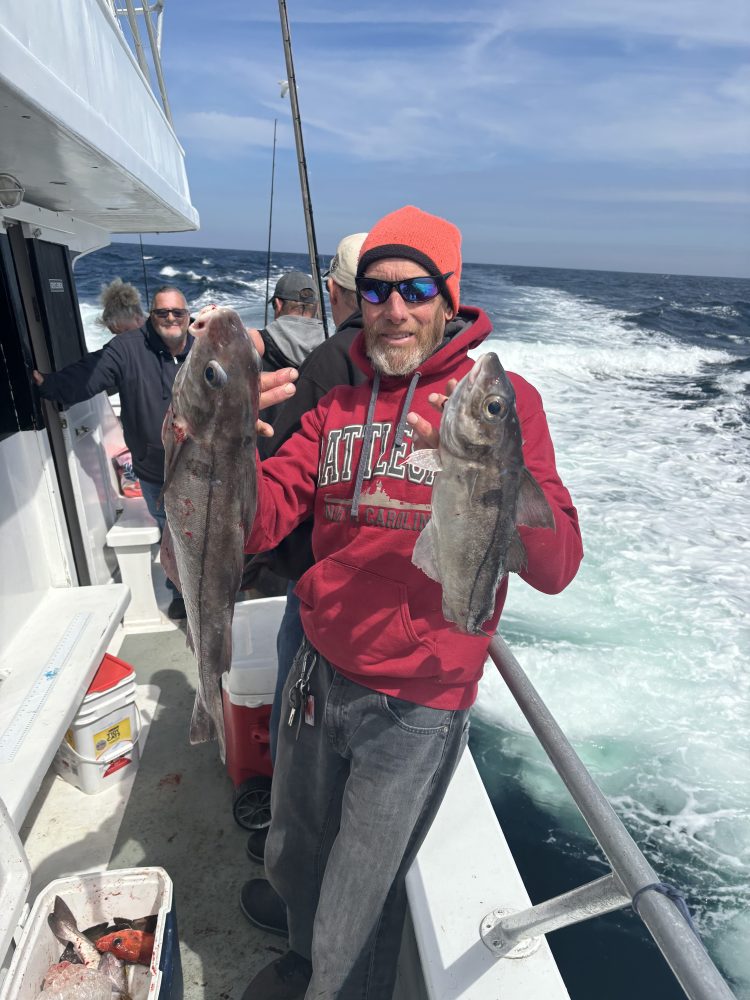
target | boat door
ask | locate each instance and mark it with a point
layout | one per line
(37, 277)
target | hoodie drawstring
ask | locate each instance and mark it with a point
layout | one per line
(398, 440)
(366, 442)
(367, 439)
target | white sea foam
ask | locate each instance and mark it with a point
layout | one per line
(96, 336)
(643, 658)
(169, 272)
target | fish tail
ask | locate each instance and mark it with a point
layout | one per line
(61, 921)
(202, 728)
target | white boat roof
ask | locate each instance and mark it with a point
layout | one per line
(82, 130)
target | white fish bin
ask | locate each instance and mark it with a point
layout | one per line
(94, 898)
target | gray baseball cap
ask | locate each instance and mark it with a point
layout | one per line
(295, 286)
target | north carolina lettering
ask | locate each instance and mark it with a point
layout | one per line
(404, 520)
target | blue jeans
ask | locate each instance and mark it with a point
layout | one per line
(288, 641)
(151, 493)
(353, 796)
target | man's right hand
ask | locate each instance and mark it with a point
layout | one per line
(275, 387)
(37, 376)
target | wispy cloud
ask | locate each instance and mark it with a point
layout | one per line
(486, 100)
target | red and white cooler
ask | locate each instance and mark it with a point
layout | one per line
(247, 691)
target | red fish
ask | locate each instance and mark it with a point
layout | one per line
(128, 945)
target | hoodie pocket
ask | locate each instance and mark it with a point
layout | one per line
(360, 619)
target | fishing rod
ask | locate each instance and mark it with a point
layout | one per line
(143, 263)
(270, 218)
(306, 202)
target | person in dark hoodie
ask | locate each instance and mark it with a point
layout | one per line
(381, 687)
(329, 365)
(141, 365)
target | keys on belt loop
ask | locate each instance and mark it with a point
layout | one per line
(300, 690)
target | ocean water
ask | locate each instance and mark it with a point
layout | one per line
(643, 659)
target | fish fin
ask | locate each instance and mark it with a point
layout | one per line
(533, 509)
(70, 955)
(423, 555)
(425, 458)
(167, 557)
(95, 932)
(147, 924)
(515, 561)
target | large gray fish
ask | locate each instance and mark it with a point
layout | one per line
(482, 490)
(63, 925)
(210, 495)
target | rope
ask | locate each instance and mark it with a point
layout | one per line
(672, 893)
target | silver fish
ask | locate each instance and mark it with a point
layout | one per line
(114, 969)
(63, 925)
(210, 496)
(482, 490)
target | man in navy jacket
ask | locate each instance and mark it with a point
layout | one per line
(141, 365)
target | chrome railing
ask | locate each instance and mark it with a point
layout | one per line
(632, 876)
(126, 11)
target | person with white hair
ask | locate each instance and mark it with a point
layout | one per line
(121, 307)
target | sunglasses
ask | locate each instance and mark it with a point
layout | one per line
(421, 289)
(179, 314)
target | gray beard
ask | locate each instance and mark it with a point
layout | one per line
(403, 364)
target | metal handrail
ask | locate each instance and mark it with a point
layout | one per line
(130, 12)
(675, 938)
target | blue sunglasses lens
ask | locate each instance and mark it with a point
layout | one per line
(377, 292)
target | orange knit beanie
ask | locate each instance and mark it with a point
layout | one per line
(428, 240)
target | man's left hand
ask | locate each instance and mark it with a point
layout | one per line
(427, 436)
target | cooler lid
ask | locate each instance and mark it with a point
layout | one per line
(15, 880)
(111, 671)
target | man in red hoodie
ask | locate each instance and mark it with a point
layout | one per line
(379, 695)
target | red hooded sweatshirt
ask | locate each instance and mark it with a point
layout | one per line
(375, 616)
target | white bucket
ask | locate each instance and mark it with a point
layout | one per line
(95, 774)
(107, 716)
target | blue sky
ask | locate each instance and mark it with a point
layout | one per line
(589, 133)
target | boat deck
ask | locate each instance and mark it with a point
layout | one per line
(175, 812)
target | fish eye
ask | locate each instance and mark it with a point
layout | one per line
(494, 407)
(215, 375)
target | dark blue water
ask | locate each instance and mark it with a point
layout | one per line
(643, 659)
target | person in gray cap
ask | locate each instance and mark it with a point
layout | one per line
(287, 341)
(296, 328)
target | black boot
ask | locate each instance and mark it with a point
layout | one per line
(285, 979)
(256, 845)
(264, 907)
